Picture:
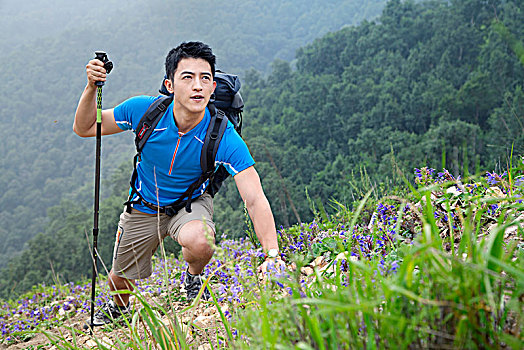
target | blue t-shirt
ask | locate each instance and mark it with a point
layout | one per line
(170, 160)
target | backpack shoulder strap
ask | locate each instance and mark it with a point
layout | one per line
(150, 120)
(145, 127)
(215, 131)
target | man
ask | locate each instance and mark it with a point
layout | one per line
(170, 162)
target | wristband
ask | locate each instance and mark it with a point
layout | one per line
(272, 253)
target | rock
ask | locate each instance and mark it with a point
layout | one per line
(203, 321)
(497, 192)
(491, 227)
(319, 262)
(511, 231)
(444, 205)
(205, 347)
(107, 341)
(83, 339)
(454, 190)
(306, 270)
(328, 269)
(342, 256)
(209, 311)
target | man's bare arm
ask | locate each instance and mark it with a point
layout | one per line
(250, 188)
(85, 116)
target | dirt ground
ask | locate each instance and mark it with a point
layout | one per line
(200, 324)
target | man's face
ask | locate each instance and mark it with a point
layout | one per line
(192, 85)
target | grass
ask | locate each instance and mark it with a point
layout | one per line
(440, 267)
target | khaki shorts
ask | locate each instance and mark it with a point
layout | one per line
(138, 236)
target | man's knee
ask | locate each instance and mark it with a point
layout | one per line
(197, 235)
(203, 243)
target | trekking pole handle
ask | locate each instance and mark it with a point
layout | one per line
(108, 65)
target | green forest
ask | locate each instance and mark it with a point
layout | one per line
(431, 83)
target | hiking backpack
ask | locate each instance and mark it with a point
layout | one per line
(225, 104)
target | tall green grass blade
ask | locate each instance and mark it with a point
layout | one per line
(322, 210)
(424, 301)
(461, 332)
(495, 247)
(512, 341)
(408, 184)
(337, 306)
(161, 333)
(370, 332)
(431, 232)
(359, 208)
(517, 273)
(443, 157)
(266, 327)
(407, 270)
(314, 328)
(222, 317)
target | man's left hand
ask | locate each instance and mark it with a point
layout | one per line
(271, 264)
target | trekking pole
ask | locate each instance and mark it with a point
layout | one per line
(108, 65)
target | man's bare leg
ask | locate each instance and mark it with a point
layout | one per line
(193, 237)
(118, 283)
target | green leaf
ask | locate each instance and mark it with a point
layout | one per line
(496, 241)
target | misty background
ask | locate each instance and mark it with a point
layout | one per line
(44, 47)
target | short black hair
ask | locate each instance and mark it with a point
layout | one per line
(191, 49)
